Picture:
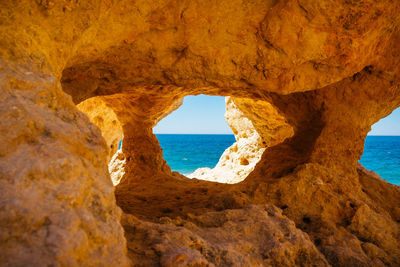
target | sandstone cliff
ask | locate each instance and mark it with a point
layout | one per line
(326, 70)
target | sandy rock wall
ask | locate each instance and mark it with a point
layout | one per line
(283, 47)
(326, 70)
(57, 202)
(216, 239)
(107, 121)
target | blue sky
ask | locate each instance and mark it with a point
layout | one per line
(205, 115)
(198, 115)
(389, 125)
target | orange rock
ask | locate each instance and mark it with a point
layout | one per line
(310, 76)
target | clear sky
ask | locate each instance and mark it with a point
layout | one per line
(198, 115)
(205, 115)
(387, 126)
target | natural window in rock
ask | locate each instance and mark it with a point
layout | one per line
(208, 137)
(382, 148)
(197, 141)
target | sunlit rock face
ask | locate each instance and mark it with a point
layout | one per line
(310, 76)
(57, 202)
(104, 118)
(253, 236)
(116, 167)
(239, 159)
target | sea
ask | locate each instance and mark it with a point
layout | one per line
(382, 155)
(187, 152)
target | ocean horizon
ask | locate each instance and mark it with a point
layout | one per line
(187, 152)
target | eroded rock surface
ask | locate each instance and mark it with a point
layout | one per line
(57, 202)
(253, 236)
(116, 167)
(104, 118)
(327, 70)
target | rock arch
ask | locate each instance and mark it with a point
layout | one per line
(330, 70)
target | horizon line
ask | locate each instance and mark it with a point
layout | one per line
(382, 135)
(199, 133)
(233, 134)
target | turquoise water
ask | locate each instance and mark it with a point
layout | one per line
(382, 155)
(187, 152)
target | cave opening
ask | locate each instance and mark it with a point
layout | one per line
(208, 137)
(195, 135)
(198, 140)
(382, 148)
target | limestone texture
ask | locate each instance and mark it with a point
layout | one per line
(104, 118)
(253, 236)
(116, 167)
(57, 201)
(307, 79)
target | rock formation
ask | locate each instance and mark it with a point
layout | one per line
(104, 118)
(253, 236)
(239, 159)
(116, 167)
(311, 76)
